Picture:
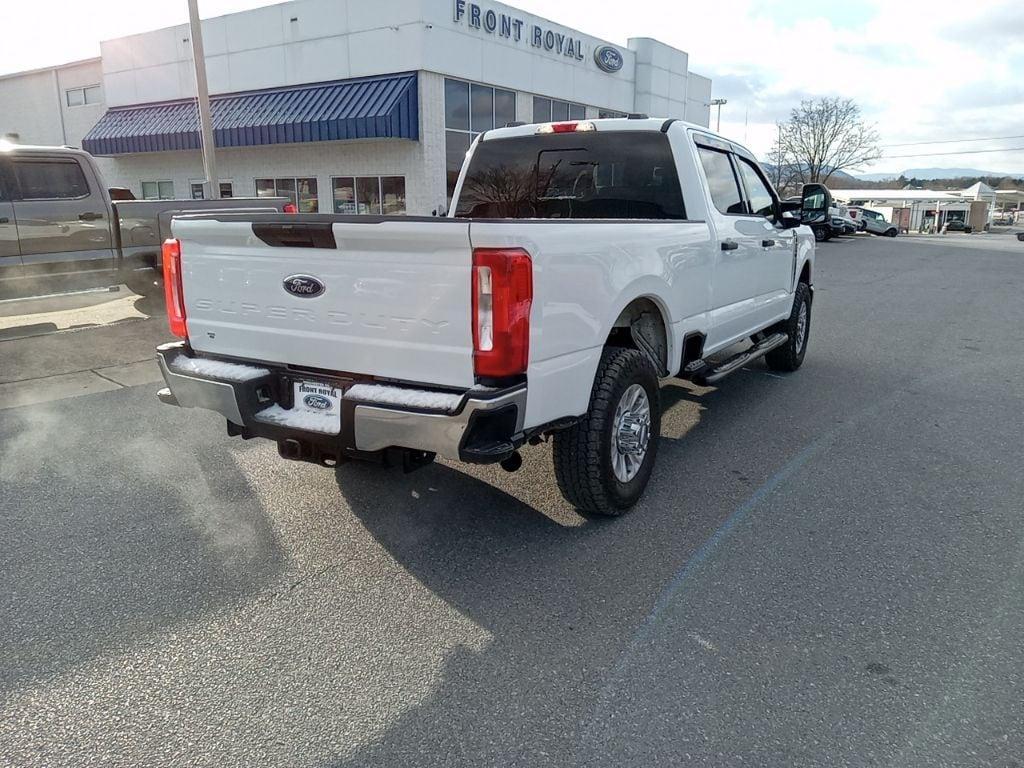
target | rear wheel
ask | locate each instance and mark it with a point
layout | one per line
(890, 232)
(604, 462)
(790, 355)
(821, 234)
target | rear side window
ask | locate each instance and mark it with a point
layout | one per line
(758, 194)
(725, 189)
(591, 175)
(50, 179)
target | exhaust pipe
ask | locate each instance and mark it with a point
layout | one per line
(513, 462)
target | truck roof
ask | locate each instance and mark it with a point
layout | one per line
(604, 124)
(8, 147)
(620, 124)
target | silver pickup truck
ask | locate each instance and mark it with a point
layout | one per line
(60, 229)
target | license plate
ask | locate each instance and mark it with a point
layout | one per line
(319, 399)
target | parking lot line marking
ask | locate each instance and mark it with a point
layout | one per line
(132, 374)
(38, 391)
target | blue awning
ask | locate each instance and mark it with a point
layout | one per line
(368, 108)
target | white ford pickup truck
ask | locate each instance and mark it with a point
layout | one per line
(581, 263)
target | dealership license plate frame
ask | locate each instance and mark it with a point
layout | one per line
(305, 389)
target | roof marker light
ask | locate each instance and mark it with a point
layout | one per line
(574, 127)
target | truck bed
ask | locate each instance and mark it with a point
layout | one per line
(397, 299)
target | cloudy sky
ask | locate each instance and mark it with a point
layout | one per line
(923, 71)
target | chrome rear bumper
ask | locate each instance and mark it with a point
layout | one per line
(367, 426)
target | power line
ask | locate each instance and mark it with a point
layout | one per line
(951, 141)
(965, 152)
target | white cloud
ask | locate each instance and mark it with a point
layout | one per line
(920, 70)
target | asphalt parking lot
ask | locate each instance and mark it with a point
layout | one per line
(828, 567)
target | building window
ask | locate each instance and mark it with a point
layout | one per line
(554, 111)
(77, 97)
(199, 189)
(158, 190)
(469, 110)
(301, 192)
(374, 195)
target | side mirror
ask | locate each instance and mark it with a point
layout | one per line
(790, 219)
(815, 203)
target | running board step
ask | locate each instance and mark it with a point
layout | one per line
(701, 372)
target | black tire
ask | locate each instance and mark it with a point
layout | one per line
(583, 453)
(890, 233)
(820, 234)
(790, 355)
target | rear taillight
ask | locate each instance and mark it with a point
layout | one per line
(290, 208)
(502, 296)
(174, 297)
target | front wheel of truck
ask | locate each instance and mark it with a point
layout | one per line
(790, 355)
(603, 462)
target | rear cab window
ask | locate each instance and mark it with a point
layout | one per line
(585, 175)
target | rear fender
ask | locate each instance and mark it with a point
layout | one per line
(630, 313)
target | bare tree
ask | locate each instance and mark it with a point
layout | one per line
(784, 173)
(822, 137)
(499, 192)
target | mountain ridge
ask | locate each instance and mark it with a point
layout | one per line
(936, 173)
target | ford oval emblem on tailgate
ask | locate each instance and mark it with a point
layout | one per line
(303, 286)
(317, 402)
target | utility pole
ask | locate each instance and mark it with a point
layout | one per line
(718, 103)
(203, 97)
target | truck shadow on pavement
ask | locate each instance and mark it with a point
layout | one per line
(110, 534)
(561, 595)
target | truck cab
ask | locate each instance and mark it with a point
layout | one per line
(54, 214)
(61, 230)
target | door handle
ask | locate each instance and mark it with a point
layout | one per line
(767, 243)
(730, 245)
(89, 216)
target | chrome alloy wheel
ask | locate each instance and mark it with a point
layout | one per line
(631, 433)
(801, 327)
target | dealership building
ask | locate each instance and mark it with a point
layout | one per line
(345, 106)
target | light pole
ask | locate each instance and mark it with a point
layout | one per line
(718, 103)
(203, 95)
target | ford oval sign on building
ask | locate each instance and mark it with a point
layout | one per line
(608, 59)
(303, 286)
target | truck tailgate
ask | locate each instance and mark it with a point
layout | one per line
(395, 300)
